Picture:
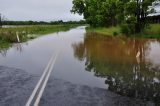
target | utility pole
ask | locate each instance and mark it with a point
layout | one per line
(0, 21)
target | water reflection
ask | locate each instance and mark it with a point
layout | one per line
(18, 47)
(5, 47)
(115, 59)
(3, 52)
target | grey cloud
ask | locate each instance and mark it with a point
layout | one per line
(46, 10)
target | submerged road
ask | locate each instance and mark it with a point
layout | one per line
(43, 81)
(27, 76)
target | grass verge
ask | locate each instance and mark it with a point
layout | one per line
(152, 31)
(111, 31)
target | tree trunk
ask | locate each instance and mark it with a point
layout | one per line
(138, 24)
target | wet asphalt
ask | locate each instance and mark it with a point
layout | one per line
(16, 86)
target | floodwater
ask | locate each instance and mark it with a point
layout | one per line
(91, 70)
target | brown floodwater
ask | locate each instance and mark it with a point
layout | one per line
(130, 66)
(125, 66)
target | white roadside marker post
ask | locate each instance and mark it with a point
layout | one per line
(17, 33)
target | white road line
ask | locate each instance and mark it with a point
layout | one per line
(39, 83)
(45, 82)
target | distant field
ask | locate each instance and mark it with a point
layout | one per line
(9, 34)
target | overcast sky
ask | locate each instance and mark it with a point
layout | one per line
(38, 10)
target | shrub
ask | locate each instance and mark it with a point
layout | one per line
(124, 29)
(115, 33)
(127, 28)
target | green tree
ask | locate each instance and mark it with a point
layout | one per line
(136, 14)
(96, 12)
(129, 13)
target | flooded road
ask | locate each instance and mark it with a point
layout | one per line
(91, 70)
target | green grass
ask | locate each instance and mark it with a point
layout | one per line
(111, 31)
(4, 45)
(29, 32)
(152, 31)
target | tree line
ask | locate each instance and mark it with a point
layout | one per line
(131, 15)
(6, 22)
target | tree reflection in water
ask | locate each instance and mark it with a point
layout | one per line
(5, 47)
(115, 59)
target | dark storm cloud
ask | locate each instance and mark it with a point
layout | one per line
(45, 10)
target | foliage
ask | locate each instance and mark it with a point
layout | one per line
(131, 13)
(115, 33)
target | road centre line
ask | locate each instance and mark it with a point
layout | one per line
(45, 82)
(49, 67)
